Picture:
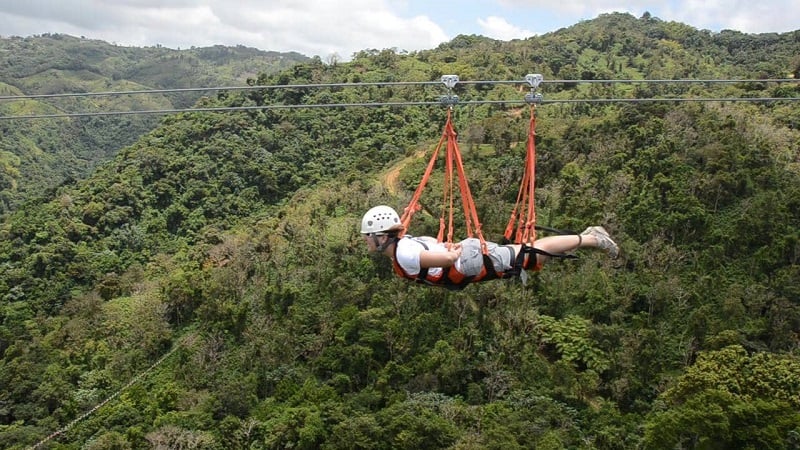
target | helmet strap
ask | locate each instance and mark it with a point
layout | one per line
(389, 241)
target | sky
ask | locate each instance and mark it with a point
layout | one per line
(340, 28)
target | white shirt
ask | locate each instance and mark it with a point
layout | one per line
(408, 250)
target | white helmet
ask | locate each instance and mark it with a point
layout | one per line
(380, 219)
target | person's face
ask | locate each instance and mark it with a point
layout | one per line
(370, 239)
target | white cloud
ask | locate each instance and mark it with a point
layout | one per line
(311, 27)
(498, 28)
(343, 27)
(575, 9)
(746, 16)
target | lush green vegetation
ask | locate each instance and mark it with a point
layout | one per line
(38, 156)
(230, 240)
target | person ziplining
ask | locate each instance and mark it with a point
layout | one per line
(427, 260)
(441, 262)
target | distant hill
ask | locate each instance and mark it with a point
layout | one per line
(44, 153)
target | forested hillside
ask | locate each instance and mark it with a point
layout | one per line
(210, 283)
(37, 156)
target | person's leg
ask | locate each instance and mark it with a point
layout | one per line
(562, 244)
(470, 262)
(596, 237)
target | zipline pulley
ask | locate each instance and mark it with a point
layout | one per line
(450, 82)
(533, 80)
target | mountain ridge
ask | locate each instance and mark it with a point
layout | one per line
(53, 64)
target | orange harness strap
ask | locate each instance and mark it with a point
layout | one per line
(453, 162)
(522, 222)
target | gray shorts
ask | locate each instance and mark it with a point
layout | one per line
(471, 261)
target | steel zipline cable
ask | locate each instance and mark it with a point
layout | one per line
(380, 104)
(390, 84)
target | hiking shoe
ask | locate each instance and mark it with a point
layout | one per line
(604, 241)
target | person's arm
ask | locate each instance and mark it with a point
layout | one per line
(440, 259)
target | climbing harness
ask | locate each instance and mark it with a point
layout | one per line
(522, 222)
(450, 277)
(454, 169)
(521, 228)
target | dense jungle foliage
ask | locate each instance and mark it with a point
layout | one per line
(36, 156)
(207, 288)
